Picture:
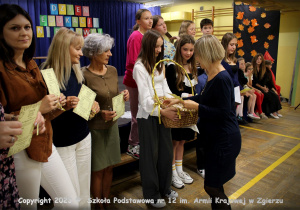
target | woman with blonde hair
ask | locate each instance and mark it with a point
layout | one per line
(71, 134)
(262, 80)
(218, 125)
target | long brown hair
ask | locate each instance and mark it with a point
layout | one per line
(138, 16)
(262, 67)
(184, 39)
(225, 42)
(147, 53)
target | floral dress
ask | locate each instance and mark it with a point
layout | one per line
(169, 50)
(9, 193)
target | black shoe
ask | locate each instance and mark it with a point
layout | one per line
(241, 120)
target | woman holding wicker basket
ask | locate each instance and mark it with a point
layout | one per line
(218, 124)
(156, 149)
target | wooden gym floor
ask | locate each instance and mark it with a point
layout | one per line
(267, 168)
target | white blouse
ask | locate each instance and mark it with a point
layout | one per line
(146, 93)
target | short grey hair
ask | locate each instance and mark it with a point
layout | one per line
(209, 49)
(95, 44)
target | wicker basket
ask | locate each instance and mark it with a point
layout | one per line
(191, 115)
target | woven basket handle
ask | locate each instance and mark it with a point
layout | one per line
(158, 103)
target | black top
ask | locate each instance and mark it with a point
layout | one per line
(69, 128)
(265, 81)
(171, 79)
(242, 79)
(219, 129)
(217, 107)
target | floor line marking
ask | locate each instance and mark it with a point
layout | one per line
(278, 134)
(252, 182)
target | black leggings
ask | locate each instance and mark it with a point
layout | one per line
(219, 199)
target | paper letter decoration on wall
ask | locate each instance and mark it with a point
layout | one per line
(77, 10)
(53, 9)
(86, 32)
(82, 22)
(96, 22)
(48, 32)
(51, 20)
(100, 31)
(59, 21)
(74, 22)
(67, 21)
(43, 20)
(56, 30)
(93, 31)
(85, 11)
(62, 9)
(90, 22)
(70, 9)
(79, 30)
(40, 32)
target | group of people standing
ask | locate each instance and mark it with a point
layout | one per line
(72, 157)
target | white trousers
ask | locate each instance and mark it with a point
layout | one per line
(77, 160)
(51, 175)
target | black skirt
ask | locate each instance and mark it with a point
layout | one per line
(179, 134)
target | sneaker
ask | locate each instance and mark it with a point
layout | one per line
(177, 182)
(241, 120)
(134, 151)
(159, 203)
(172, 194)
(279, 115)
(185, 177)
(201, 172)
(274, 116)
(263, 116)
(253, 116)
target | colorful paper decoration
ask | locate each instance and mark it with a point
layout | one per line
(96, 22)
(74, 22)
(79, 30)
(72, 29)
(82, 22)
(53, 9)
(241, 52)
(246, 22)
(67, 21)
(240, 43)
(89, 22)
(48, 32)
(59, 21)
(99, 30)
(56, 30)
(43, 20)
(85, 11)
(70, 9)
(51, 20)
(77, 10)
(240, 15)
(93, 31)
(253, 39)
(86, 32)
(40, 32)
(62, 9)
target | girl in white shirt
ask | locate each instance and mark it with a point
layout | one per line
(156, 149)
